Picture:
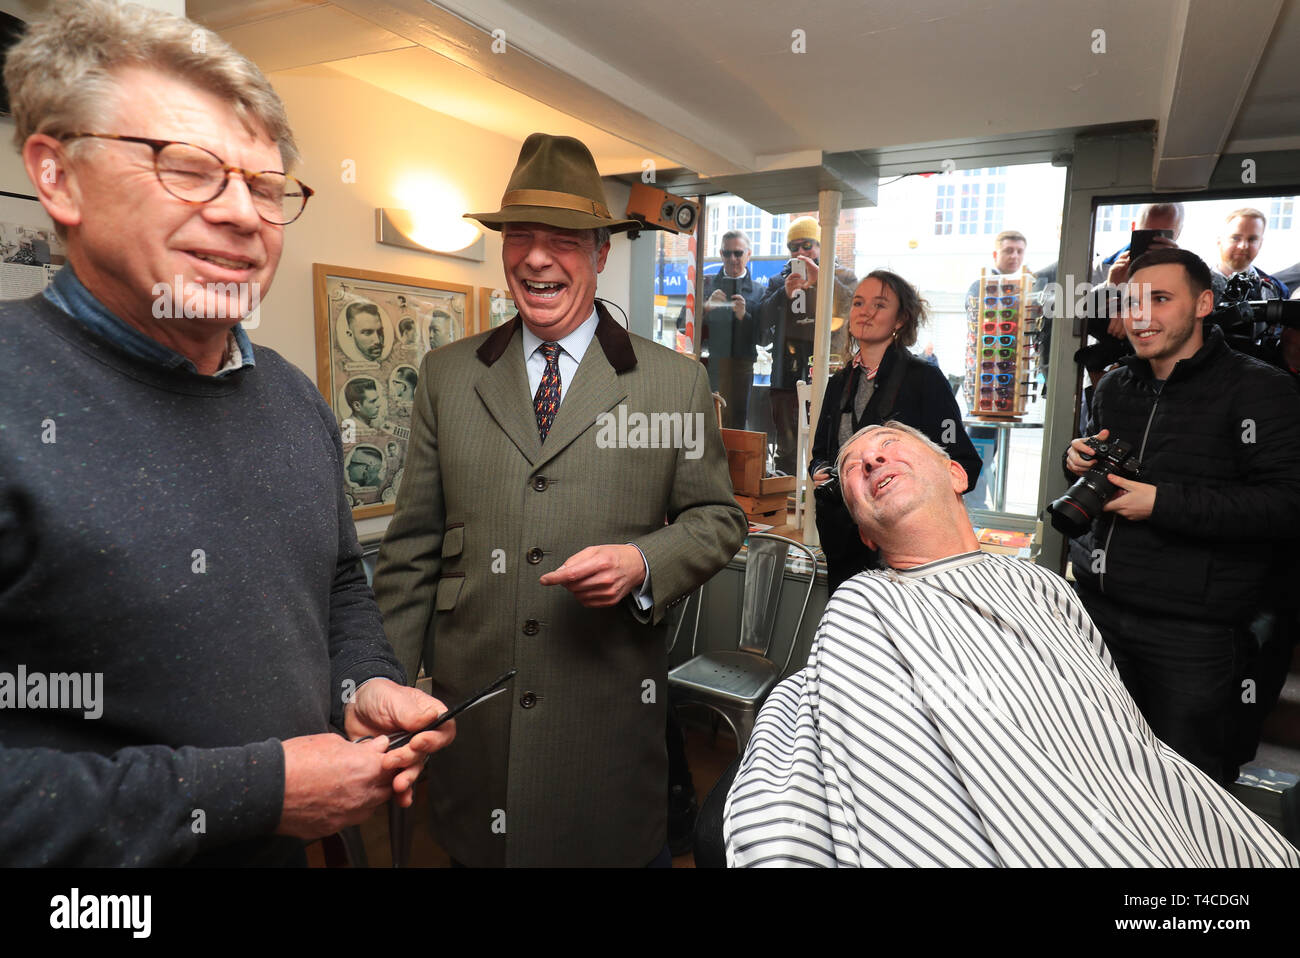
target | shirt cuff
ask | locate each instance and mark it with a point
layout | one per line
(642, 600)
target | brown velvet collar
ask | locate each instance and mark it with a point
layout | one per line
(613, 338)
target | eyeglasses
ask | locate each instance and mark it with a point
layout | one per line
(195, 175)
(1004, 300)
(806, 246)
(728, 253)
(1004, 327)
(995, 313)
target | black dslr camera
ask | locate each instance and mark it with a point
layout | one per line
(1253, 327)
(828, 493)
(1073, 513)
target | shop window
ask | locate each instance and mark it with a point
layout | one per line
(935, 232)
(1281, 212)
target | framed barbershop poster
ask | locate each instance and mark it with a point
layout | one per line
(372, 331)
(496, 307)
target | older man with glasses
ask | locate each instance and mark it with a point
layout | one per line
(213, 593)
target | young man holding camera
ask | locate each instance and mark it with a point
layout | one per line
(1183, 556)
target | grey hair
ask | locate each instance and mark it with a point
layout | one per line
(601, 236)
(895, 425)
(736, 235)
(1159, 209)
(61, 74)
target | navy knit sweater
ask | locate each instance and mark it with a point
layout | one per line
(187, 537)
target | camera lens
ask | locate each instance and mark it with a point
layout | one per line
(1073, 513)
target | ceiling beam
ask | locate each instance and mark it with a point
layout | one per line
(545, 65)
(1214, 50)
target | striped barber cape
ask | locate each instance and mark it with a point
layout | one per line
(967, 713)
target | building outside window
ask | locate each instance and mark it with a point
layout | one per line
(1281, 212)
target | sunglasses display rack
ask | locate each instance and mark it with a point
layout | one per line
(999, 340)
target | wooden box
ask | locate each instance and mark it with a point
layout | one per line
(746, 458)
(756, 507)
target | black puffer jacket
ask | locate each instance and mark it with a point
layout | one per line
(1221, 443)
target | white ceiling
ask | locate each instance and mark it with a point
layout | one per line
(716, 88)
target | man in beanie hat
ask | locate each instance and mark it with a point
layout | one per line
(535, 530)
(787, 316)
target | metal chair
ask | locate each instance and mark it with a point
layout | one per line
(734, 683)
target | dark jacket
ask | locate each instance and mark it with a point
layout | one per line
(1103, 302)
(925, 402)
(1221, 443)
(791, 333)
(726, 335)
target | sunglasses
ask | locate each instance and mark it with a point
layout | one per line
(1001, 340)
(1002, 365)
(993, 286)
(990, 351)
(1003, 403)
(1004, 327)
(728, 253)
(994, 313)
(1004, 300)
(806, 246)
(998, 390)
(1002, 378)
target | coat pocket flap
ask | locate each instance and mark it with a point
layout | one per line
(449, 587)
(453, 540)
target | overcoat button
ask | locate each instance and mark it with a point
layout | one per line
(528, 700)
(540, 483)
(532, 627)
(534, 555)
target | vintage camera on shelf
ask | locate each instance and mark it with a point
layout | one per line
(1250, 326)
(1072, 514)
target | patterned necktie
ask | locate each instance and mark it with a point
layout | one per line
(547, 400)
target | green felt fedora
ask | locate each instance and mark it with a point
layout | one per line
(555, 183)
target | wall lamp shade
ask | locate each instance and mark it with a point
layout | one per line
(398, 228)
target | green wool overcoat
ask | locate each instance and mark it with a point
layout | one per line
(569, 767)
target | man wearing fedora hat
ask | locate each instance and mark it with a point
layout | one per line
(527, 537)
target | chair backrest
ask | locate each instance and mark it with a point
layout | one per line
(765, 572)
(681, 618)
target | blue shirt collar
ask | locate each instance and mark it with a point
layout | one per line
(69, 295)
